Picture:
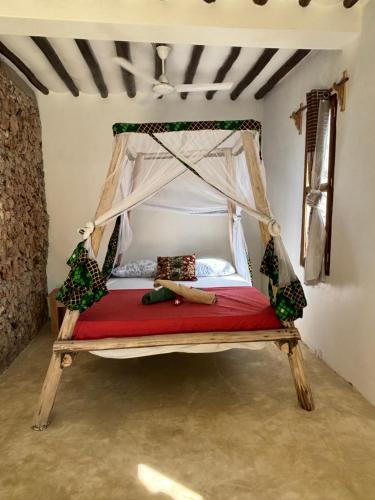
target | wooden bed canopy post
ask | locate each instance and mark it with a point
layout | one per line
(57, 363)
(257, 185)
(292, 348)
(110, 188)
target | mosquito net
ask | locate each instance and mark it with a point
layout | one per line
(208, 171)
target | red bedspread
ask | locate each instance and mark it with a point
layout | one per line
(121, 314)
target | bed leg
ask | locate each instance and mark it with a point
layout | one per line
(303, 389)
(51, 383)
(58, 362)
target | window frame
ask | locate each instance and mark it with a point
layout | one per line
(327, 187)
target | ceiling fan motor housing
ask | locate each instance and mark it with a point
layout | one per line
(163, 51)
(163, 88)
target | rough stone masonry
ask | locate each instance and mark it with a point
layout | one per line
(23, 220)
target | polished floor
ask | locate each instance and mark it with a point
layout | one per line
(185, 427)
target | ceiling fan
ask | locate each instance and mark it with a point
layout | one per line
(163, 86)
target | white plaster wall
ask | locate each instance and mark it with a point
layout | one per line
(77, 142)
(338, 323)
(159, 232)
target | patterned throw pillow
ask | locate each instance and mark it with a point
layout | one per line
(137, 269)
(181, 268)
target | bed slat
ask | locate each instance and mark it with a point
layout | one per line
(176, 339)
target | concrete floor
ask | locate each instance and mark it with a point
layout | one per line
(215, 426)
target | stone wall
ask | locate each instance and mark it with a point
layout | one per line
(23, 219)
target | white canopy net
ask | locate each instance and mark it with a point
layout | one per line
(196, 172)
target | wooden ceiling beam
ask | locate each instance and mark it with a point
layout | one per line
(348, 4)
(281, 72)
(253, 72)
(223, 70)
(260, 2)
(158, 64)
(54, 60)
(21, 66)
(192, 67)
(93, 65)
(304, 3)
(123, 50)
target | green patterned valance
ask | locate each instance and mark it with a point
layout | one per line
(85, 283)
(289, 300)
(111, 250)
(154, 128)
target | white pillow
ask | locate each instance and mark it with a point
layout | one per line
(143, 268)
(213, 267)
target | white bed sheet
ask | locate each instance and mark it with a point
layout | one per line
(208, 282)
(147, 283)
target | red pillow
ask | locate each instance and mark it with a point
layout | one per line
(181, 268)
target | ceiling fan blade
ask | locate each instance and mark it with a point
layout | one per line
(203, 87)
(146, 97)
(124, 63)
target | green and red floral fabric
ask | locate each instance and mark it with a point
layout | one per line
(181, 268)
(85, 283)
(290, 300)
(111, 250)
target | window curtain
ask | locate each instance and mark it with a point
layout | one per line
(317, 144)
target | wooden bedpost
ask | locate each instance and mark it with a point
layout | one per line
(54, 372)
(58, 362)
(110, 187)
(292, 348)
(303, 389)
(257, 185)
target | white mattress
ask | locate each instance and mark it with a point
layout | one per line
(144, 283)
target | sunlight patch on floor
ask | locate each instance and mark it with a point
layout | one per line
(156, 482)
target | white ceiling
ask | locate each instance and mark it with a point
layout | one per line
(324, 24)
(143, 56)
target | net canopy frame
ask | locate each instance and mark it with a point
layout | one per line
(188, 192)
(221, 170)
(195, 167)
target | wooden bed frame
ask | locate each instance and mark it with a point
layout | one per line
(64, 348)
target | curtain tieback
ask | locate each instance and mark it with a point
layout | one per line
(237, 218)
(274, 228)
(313, 198)
(86, 230)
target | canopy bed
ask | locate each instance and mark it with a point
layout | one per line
(195, 168)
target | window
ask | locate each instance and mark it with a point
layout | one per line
(326, 182)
